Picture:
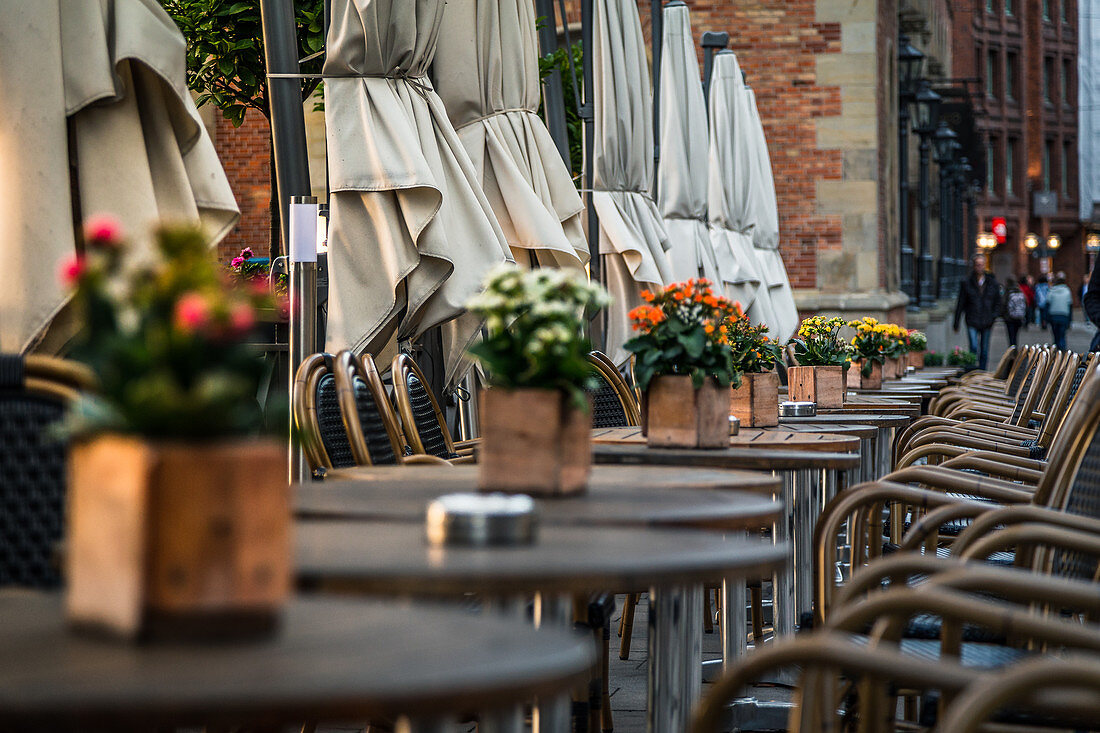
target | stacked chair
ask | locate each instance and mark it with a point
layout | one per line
(970, 601)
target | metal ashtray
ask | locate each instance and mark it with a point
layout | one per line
(797, 409)
(735, 425)
(481, 520)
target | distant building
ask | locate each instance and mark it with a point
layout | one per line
(1088, 115)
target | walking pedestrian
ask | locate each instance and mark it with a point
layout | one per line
(1013, 310)
(1042, 290)
(1027, 287)
(1091, 304)
(1060, 310)
(979, 301)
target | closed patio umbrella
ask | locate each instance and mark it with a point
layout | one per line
(730, 192)
(487, 73)
(411, 235)
(682, 168)
(103, 83)
(632, 234)
(765, 236)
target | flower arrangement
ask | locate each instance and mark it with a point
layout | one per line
(534, 329)
(962, 357)
(164, 339)
(918, 341)
(933, 359)
(753, 351)
(683, 330)
(870, 343)
(818, 343)
(897, 341)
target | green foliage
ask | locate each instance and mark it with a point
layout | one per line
(534, 329)
(933, 359)
(917, 341)
(753, 351)
(818, 343)
(165, 340)
(559, 60)
(225, 52)
(684, 331)
(962, 357)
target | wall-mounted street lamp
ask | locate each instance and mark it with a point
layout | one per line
(1031, 241)
(987, 242)
(1054, 242)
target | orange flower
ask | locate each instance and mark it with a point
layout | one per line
(647, 296)
(709, 328)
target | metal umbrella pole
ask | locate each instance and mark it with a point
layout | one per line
(597, 327)
(712, 42)
(303, 306)
(553, 93)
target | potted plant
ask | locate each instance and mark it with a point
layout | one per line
(684, 365)
(897, 351)
(933, 359)
(869, 349)
(179, 515)
(823, 360)
(918, 344)
(536, 418)
(754, 399)
(962, 357)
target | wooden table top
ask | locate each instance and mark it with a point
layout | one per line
(332, 660)
(756, 438)
(849, 418)
(732, 458)
(617, 495)
(395, 558)
(818, 428)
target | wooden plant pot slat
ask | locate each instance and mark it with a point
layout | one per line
(824, 385)
(534, 441)
(756, 402)
(680, 416)
(872, 381)
(178, 540)
(916, 359)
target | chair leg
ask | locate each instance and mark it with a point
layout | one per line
(626, 625)
(708, 614)
(606, 722)
(757, 595)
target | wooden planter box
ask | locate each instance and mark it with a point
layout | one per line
(178, 540)
(533, 441)
(680, 416)
(872, 381)
(756, 402)
(895, 368)
(916, 359)
(824, 385)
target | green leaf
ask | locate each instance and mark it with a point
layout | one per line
(694, 342)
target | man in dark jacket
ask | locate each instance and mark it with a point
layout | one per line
(979, 300)
(1091, 303)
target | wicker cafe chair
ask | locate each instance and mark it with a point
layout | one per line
(991, 390)
(371, 424)
(426, 430)
(317, 415)
(35, 392)
(613, 404)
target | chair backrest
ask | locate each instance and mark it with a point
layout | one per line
(1068, 385)
(1020, 371)
(1030, 391)
(1069, 444)
(35, 392)
(613, 404)
(1005, 364)
(317, 414)
(425, 427)
(368, 416)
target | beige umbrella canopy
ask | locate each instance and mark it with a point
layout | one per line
(682, 169)
(487, 74)
(730, 190)
(411, 234)
(632, 234)
(105, 81)
(765, 236)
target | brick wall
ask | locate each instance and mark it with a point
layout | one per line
(245, 154)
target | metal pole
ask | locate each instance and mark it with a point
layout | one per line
(946, 172)
(302, 220)
(906, 249)
(924, 285)
(588, 114)
(656, 34)
(712, 43)
(553, 95)
(284, 95)
(962, 185)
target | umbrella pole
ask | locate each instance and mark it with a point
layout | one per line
(597, 329)
(553, 95)
(713, 42)
(656, 36)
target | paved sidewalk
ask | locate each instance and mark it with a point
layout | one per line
(1078, 339)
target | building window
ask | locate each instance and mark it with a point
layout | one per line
(1064, 14)
(1009, 9)
(989, 6)
(1067, 158)
(1012, 62)
(1010, 167)
(991, 73)
(1048, 154)
(990, 168)
(1066, 82)
(1048, 78)
(1046, 9)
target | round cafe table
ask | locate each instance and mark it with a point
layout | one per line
(331, 660)
(760, 439)
(885, 424)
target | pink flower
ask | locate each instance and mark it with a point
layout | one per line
(246, 253)
(102, 230)
(192, 313)
(236, 262)
(71, 270)
(241, 318)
